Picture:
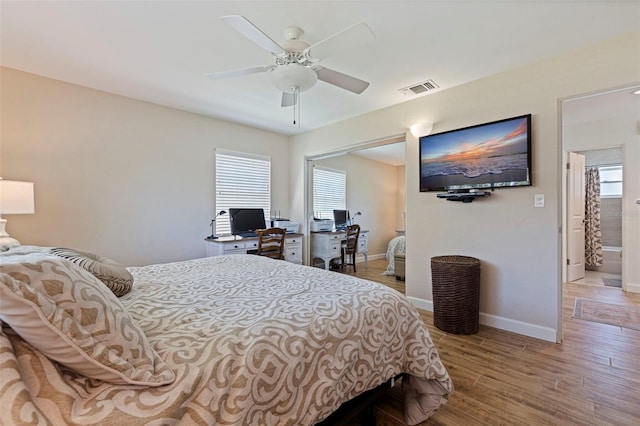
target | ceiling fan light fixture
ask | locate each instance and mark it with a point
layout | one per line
(292, 72)
(289, 78)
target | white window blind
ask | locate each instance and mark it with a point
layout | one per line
(242, 181)
(329, 191)
(610, 181)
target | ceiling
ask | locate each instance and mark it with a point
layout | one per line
(160, 51)
(620, 103)
(393, 153)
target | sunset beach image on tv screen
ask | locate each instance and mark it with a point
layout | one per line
(490, 155)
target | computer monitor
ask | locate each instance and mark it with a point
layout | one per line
(341, 219)
(245, 222)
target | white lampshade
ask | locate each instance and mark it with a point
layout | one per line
(421, 129)
(16, 197)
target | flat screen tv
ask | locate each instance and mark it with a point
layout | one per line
(485, 156)
(245, 222)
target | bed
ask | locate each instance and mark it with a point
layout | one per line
(225, 340)
(397, 245)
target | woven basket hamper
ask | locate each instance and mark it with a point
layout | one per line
(456, 293)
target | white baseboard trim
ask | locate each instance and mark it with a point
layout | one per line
(633, 288)
(376, 256)
(427, 305)
(360, 258)
(515, 326)
(507, 324)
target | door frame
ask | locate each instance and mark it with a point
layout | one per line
(308, 178)
(562, 156)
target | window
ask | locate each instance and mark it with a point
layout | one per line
(242, 181)
(329, 191)
(610, 181)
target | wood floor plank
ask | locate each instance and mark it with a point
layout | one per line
(592, 378)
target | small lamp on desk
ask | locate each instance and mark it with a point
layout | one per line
(213, 235)
(15, 198)
(354, 217)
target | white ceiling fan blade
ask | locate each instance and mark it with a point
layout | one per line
(288, 99)
(341, 80)
(239, 72)
(253, 33)
(349, 38)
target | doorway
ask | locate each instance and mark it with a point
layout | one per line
(375, 188)
(595, 239)
(596, 127)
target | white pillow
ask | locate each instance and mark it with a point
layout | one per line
(71, 317)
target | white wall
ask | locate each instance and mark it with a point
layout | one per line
(614, 132)
(127, 179)
(372, 189)
(519, 245)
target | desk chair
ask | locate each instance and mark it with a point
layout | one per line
(350, 246)
(271, 242)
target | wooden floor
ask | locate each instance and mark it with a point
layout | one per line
(592, 378)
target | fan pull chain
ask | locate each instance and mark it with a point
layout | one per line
(296, 106)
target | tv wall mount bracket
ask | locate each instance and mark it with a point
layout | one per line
(464, 196)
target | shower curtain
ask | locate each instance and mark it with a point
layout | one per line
(593, 237)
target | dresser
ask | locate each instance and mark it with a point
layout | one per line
(327, 245)
(247, 245)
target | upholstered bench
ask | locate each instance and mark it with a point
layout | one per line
(398, 260)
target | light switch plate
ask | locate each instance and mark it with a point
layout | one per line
(538, 200)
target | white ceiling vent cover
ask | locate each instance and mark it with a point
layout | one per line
(419, 88)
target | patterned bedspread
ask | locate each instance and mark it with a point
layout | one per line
(251, 341)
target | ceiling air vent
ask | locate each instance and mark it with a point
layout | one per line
(420, 88)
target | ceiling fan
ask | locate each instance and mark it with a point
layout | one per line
(296, 67)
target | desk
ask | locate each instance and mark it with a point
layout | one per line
(242, 245)
(327, 246)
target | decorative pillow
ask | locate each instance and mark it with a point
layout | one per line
(111, 273)
(22, 249)
(66, 313)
